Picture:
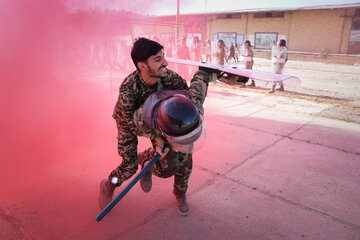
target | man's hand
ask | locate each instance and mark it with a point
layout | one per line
(159, 148)
(209, 70)
(214, 73)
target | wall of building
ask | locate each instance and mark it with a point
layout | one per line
(151, 30)
(237, 25)
(317, 31)
(323, 32)
(267, 25)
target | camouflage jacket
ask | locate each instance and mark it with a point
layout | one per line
(133, 93)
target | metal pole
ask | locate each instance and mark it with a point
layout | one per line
(108, 208)
(177, 20)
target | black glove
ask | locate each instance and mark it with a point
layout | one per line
(242, 79)
(209, 70)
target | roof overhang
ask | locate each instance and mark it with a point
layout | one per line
(317, 7)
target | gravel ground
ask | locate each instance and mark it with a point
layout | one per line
(333, 84)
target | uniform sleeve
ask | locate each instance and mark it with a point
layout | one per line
(144, 129)
(198, 88)
(175, 82)
(285, 54)
(251, 53)
(127, 139)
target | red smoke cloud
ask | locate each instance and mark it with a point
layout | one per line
(56, 125)
(51, 101)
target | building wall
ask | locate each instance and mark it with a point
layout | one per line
(151, 30)
(279, 25)
(325, 31)
(237, 25)
(318, 31)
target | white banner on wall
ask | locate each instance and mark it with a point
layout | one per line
(265, 40)
(251, 39)
(354, 36)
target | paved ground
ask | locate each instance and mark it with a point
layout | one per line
(275, 166)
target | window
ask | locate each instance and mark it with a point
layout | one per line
(357, 12)
(228, 16)
(269, 15)
(236, 15)
(265, 40)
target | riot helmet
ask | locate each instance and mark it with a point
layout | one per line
(180, 121)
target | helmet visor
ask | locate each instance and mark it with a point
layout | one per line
(190, 142)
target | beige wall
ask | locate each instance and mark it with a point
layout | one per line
(156, 30)
(305, 30)
(316, 31)
(279, 25)
(237, 25)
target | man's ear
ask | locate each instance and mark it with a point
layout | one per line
(141, 66)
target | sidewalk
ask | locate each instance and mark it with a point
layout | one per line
(273, 167)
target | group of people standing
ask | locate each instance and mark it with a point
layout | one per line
(278, 55)
(239, 54)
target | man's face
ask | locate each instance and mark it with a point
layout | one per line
(156, 65)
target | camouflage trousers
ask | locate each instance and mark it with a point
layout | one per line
(174, 164)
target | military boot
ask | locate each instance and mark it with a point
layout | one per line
(106, 193)
(145, 180)
(182, 205)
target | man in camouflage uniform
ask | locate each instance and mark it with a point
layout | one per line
(151, 76)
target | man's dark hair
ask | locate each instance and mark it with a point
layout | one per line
(247, 42)
(221, 42)
(196, 39)
(143, 48)
(282, 42)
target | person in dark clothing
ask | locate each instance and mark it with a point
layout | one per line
(232, 53)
